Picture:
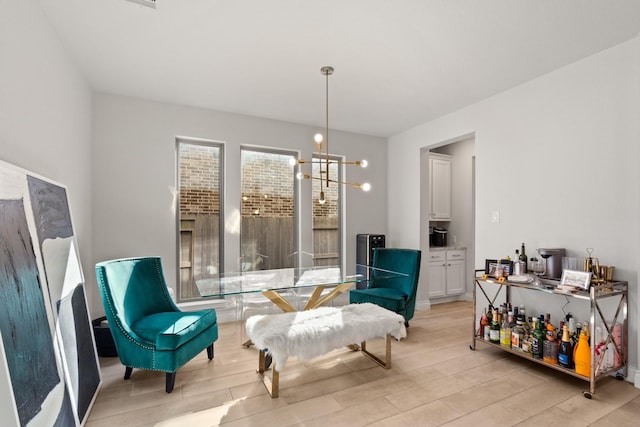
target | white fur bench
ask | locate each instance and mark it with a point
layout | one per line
(311, 333)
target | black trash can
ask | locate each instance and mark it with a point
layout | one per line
(104, 340)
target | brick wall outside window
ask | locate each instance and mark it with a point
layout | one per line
(199, 180)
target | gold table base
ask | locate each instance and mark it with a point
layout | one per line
(273, 384)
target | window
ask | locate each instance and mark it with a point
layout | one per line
(327, 231)
(268, 207)
(199, 214)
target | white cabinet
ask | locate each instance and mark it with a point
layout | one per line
(446, 273)
(437, 274)
(439, 187)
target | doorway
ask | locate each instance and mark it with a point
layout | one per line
(461, 225)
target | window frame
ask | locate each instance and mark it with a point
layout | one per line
(296, 193)
(220, 145)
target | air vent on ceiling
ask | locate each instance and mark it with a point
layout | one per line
(150, 3)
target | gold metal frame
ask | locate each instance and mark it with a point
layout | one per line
(273, 384)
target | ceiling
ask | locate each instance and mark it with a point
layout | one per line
(397, 63)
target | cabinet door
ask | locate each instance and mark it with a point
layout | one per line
(455, 277)
(440, 173)
(437, 278)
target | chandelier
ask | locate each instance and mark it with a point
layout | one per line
(322, 159)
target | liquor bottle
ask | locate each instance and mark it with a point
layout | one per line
(565, 351)
(572, 331)
(526, 325)
(523, 311)
(494, 329)
(537, 342)
(517, 336)
(582, 356)
(550, 354)
(585, 328)
(526, 341)
(559, 333)
(505, 331)
(484, 323)
(523, 258)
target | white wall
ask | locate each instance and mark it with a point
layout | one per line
(45, 119)
(557, 157)
(135, 167)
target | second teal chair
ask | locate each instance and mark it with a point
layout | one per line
(149, 330)
(397, 294)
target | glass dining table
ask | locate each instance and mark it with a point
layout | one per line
(317, 285)
(324, 283)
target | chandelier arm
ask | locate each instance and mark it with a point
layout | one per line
(327, 73)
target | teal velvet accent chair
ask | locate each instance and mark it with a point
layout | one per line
(149, 330)
(397, 294)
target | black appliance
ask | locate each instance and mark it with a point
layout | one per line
(438, 237)
(365, 243)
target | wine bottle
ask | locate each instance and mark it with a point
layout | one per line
(523, 258)
(565, 351)
(494, 329)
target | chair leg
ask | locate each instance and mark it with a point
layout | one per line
(210, 352)
(406, 323)
(127, 372)
(171, 379)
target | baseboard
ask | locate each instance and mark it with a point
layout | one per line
(423, 305)
(634, 373)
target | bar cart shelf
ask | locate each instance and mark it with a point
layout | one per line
(594, 297)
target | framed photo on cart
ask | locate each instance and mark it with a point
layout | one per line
(490, 266)
(576, 279)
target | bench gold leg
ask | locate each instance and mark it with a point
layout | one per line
(272, 384)
(386, 364)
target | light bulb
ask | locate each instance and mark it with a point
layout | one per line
(321, 200)
(365, 186)
(299, 175)
(293, 161)
(363, 163)
(318, 138)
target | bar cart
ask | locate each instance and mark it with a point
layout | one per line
(594, 297)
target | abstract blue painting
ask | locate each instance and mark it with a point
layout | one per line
(45, 332)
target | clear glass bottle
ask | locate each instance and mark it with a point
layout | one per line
(505, 331)
(517, 335)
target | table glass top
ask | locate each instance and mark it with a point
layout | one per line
(217, 285)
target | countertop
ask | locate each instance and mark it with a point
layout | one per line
(447, 248)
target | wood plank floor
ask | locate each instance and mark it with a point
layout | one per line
(435, 380)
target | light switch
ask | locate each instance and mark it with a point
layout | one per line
(495, 216)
